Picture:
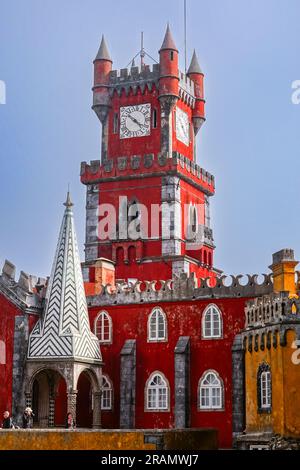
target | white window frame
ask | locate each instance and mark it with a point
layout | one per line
(108, 389)
(209, 392)
(204, 328)
(158, 390)
(158, 313)
(265, 390)
(104, 315)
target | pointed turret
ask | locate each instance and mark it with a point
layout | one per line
(63, 331)
(168, 88)
(168, 42)
(196, 75)
(101, 98)
(194, 65)
(103, 53)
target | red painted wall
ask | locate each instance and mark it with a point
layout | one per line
(8, 312)
(137, 145)
(184, 319)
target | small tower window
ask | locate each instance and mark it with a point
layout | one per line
(116, 123)
(172, 55)
(154, 118)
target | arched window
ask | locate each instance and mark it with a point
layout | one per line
(212, 322)
(211, 391)
(157, 325)
(107, 393)
(157, 392)
(264, 388)
(103, 328)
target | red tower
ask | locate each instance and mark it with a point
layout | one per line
(147, 199)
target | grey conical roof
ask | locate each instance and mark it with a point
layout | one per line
(63, 331)
(194, 65)
(168, 42)
(103, 53)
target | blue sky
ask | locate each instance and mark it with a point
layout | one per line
(250, 141)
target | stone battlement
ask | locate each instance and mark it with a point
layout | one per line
(182, 288)
(272, 309)
(134, 74)
(148, 164)
(28, 292)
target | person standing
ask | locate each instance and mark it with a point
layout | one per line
(28, 418)
(7, 421)
(70, 422)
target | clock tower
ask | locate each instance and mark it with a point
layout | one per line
(147, 207)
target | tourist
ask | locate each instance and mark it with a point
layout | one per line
(7, 421)
(28, 418)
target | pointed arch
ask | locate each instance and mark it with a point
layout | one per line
(157, 325)
(157, 392)
(210, 391)
(212, 322)
(103, 327)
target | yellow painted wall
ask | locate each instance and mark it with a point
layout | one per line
(61, 439)
(284, 418)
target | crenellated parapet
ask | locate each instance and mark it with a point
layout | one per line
(27, 292)
(181, 288)
(147, 165)
(268, 318)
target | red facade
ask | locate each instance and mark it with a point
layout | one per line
(183, 319)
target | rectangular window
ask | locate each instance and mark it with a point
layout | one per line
(154, 118)
(172, 55)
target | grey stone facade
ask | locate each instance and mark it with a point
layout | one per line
(127, 384)
(182, 382)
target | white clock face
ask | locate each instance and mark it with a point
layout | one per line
(182, 126)
(135, 121)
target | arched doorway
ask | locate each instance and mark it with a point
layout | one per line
(84, 412)
(49, 399)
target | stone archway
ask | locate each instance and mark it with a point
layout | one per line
(88, 403)
(46, 399)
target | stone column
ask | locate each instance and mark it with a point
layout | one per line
(167, 105)
(97, 410)
(238, 386)
(182, 382)
(72, 400)
(127, 384)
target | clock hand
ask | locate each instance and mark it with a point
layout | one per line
(135, 121)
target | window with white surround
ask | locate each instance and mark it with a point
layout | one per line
(211, 391)
(157, 325)
(107, 393)
(264, 388)
(157, 392)
(212, 322)
(103, 327)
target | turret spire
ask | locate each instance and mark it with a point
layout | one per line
(64, 331)
(103, 53)
(194, 65)
(168, 42)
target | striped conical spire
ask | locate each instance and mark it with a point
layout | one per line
(63, 332)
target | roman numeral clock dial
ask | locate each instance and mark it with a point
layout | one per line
(135, 121)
